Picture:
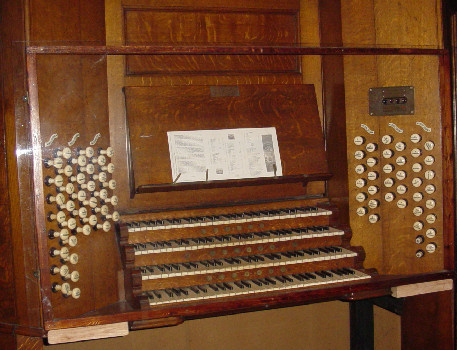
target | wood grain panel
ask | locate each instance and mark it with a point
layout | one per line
(291, 110)
(202, 26)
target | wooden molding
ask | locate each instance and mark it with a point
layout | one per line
(69, 335)
(422, 288)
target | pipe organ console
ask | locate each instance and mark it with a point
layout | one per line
(101, 235)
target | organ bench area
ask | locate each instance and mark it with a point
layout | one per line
(358, 204)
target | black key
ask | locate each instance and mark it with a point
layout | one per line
(176, 291)
(310, 275)
(239, 284)
(157, 294)
(184, 291)
(195, 290)
(247, 284)
(213, 287)
(256, 282)
(220, 286)
(298, 277)
(203, 289)
(168, 292)
(269, 280)
(228, 286)
(287, 278)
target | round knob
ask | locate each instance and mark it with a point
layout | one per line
(60, 216)
(388, 168)
(92, 202)
(69, 188)
(63, 252)
(372, 175)
(88, 152)
(417, 182)
(371, 147)
(418, 211)
(109, 168)
(360, 183)
(418, 196)
(400, 160)
(373, 218)
(73, 258)
(371, 190)
(92, 220)
(420, 253)
(72, 241)
(360, 169)
(373, 203)
(402, 189)
(419, 239)
(58, 181)
(430, 233)
(59, 199)
(429, 160)
(69, 206)
(360, 197)
(63, 234)
(67, 170)
(71, 224)
(114, 200)
(63, 270)
(389, 182)
(430, 203)
(100, 160)
(361, 211)
(429, 145)
(418, 225)
(106, 226)
(114, 216)
(415, 138)
(417, 167)
(56, 163)
(371, 162)
(90, 186)
(400, 146)
(80, 196)
(111, 184)
(359, 140)
(416, 152)
(401, 175)
(387, 153)
(65, 153)
(430, 248)
(89, 168)
(103, 194)
(104, 210)
(402, 203)
(66, 290)
(430, 189)
(430, 218)
(86, 230)
(109, 151)
(387, 139)
(359, 155)
(389, 197)
(80, 178)
(429, 174)
(81, 161)
(102, 177)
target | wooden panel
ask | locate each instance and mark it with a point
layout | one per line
(394, 232)
(88, 333)
(193, 26)
(298, 128)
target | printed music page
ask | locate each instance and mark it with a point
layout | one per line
(224, 154)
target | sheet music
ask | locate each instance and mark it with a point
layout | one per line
(224, 154)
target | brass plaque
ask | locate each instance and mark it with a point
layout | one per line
(393, 100)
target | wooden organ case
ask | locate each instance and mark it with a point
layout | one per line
(100, 237)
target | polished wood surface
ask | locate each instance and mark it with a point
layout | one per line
(77, 88)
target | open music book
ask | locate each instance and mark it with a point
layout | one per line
(224, 154)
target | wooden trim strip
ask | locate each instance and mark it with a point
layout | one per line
(88, 333)
(228, 50)
(38, 198)
(422, 288)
